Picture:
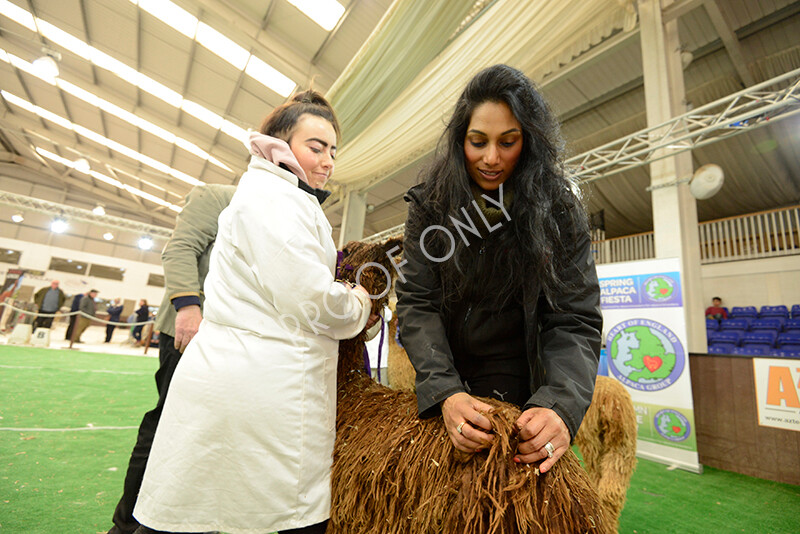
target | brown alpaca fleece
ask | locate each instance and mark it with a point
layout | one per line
(396, 473)
(607, 439)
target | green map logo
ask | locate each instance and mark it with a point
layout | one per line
(659, 288)
(672, 425)
(645, 354)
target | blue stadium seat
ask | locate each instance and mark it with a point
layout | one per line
(772, 324)
(712, 325)
(731, 337)
(796, 311)
(742, 325)
(788, 341)
(751, 351)
(724, 348)
(764, 338)
(791, 326)
(778, 353)
(737, 312)
(774, 311)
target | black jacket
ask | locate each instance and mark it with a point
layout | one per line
(562, 347)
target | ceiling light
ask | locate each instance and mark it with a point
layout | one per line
(99, 210)
(222, 46)
(172, 15)
(82, 165)
(103, 60)
(146, 243)
(97, 138)
(59, 226)
(269, 77)
(17, 218)
(109, 180)
(326, 13)
(46, 67)
(108, 236)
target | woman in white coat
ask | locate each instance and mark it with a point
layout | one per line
(245, 441)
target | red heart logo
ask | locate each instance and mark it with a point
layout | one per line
(676, 429)
(652, 362)
(664, 291)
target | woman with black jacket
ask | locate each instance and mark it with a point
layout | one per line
(498, 295)
(142, 315)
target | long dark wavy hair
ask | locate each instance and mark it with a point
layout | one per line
(546, 213)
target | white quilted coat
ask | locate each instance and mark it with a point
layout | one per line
(246, 437)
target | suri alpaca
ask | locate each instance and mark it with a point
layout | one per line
(395, 473)
(606, 438)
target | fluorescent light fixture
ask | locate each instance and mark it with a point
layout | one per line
(269, 77)
(99, 210)
(97, 138)
(59, 226)
(108, 236)
(198, 111)
(240, 134)
(326, 13)
(146, 243)
(46, 66)
(17, 218)
(82, 165)
(17, 14)
(172, 15)
(222, 46)
(128, 74)
(110, 181)
(216, 42)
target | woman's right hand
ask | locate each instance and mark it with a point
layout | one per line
(467, 426)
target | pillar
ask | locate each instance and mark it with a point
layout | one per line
(674, 208)
(353, 217)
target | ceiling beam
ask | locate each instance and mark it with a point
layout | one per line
(737, 55)
(236, 161)
(28, 128)
(31, 171)
(679, 8)
(277, 53)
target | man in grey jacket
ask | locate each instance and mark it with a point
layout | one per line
(185, 259)
(88, 307)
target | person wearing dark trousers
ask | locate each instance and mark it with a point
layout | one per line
(114, 313)
(185, 259)
(48, 300)
(88, 308)
(142, 314)
(76, 302)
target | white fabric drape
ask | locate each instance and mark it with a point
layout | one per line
(533, 35)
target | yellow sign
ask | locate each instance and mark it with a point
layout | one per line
(778, 392)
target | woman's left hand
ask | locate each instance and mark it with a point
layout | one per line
(537, 427)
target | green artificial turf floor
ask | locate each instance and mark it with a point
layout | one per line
(68, 422)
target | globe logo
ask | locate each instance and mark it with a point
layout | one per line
(672, 425)
(644, 354)
(659, 288)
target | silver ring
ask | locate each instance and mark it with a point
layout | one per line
(550, 449)
(458, 428)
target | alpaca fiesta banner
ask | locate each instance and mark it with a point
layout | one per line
(645, 346)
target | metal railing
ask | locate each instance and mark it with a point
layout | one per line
(764, 234)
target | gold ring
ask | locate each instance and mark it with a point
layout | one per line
(458, 428)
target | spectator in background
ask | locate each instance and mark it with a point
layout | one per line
(48, 300)
(142, 315)
(88, 307)
(114, 313)
(76, 302)
(716, 311)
